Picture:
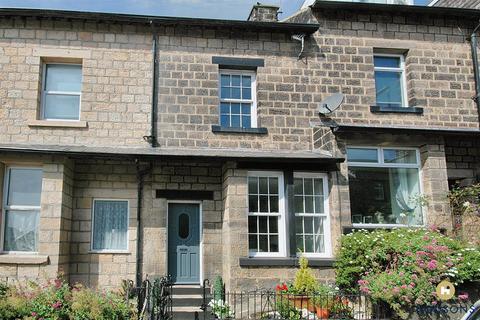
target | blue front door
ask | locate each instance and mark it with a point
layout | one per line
(184, 242)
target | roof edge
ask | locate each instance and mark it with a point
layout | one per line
(307, 28)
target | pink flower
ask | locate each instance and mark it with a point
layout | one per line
(396, 290)
(365, 290)
(404, 286)
(57, 305)
(432, 265)
(34, 314)
(414, 277)
(58, 283)
(412, 284)
(434, 303)
(362, 282)
(463, 296)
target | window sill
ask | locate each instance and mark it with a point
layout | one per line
(284, 262)
(220, 129)
(58, 124)
(109, 252)
(384, 109)
(30, 259)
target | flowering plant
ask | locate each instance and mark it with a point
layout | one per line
(402, 267)
(221, 309)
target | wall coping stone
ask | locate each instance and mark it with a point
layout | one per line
(284, 262)
(23, 259)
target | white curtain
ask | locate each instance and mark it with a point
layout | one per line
(21, 230)
(110, 225)
(404, 185)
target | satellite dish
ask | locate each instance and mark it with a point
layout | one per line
(331, 103)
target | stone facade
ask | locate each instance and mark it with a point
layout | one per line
(116, 100)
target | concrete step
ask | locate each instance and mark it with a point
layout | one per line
(187, 300)
(187, 289)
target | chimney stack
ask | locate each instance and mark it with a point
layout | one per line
(264, 13)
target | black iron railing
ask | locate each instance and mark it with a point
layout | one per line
(268, 304)
(153, 298)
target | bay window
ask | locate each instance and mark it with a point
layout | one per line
(266, 214)
(21, 209)
(384, 186)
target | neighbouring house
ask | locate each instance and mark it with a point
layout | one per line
(141, 145)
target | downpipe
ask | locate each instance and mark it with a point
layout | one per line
(152, 138)
(474, 47)
(140, 184)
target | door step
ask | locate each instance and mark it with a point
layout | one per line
(187, 301)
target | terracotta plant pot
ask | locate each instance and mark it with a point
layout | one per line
(302, 302)
(322, 313)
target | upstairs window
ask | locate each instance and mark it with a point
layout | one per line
(238, 99)
(61, 92)
(21, 209)
(390, 80)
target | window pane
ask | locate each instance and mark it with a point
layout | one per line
(319, 208)
(63, 77)
(252, 203)
(299, 241)
(252, 224)
(263, 224)
(263, 243)
(246, 81)
(384, 195)
(274, 204)
(253, 242)
(298, 202)
(236, 80)
(61, 107)
(308, 225)
(252, 185)
(245, 108)
(225, 121)
(225, 93)
(273, 224)
(24, 186)
(319, 243)
(388, 88)
(308, 186)
(225, 80)
(308, 243)
(386, 62)
(318, 186)
(399, 156)
(263, 203)
(273, 243)
(224, 108)
(235, 121)
(110, 225)
(263, 185)
(21, 230)
(362, 155)
(309, 204)
(247, 93)
(235, 93)
(246, 122)
(183, 226)
(235, 108)
(273, 185)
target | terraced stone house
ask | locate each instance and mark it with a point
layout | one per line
(134, 146)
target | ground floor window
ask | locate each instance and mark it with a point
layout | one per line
(268, 220)
(265, 213)
(21, 209)
(384, 186)
(311, 218)
(110, 225)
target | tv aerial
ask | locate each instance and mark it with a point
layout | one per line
(330, 104)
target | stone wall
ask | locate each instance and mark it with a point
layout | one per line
(463, 159)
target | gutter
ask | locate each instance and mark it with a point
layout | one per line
(476, 72)
(140, 184)
(152, 138)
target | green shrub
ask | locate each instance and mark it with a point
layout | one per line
(218, 288)
(402, 267)
(13, 305)
(305, 282)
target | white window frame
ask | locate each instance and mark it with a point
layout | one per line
(326, 214)
(282, 248)
(63, 93)
(6, 207)
(381, 164)
(253, 101)
(127, 250)
(401, 70)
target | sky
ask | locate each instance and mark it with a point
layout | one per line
(220, 9)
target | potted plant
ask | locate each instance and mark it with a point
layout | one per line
(304, 286)
(323, 301)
